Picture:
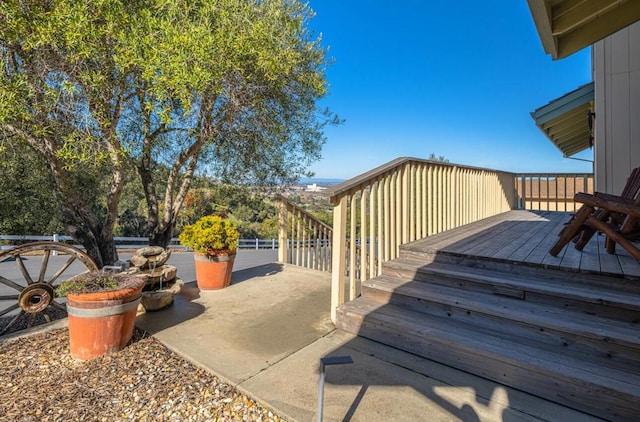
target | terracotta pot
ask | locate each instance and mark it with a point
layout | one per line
(102, 322)
(214, 271)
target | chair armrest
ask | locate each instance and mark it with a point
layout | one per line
(610, 203)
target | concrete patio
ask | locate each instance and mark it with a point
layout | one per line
(267, 332)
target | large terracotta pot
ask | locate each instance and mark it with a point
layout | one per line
(214, 271)
(102, 322)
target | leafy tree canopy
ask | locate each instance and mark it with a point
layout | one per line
(440, 158)
(95, 86)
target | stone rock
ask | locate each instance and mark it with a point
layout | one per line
(156, 300)
(153, 277)
(150, 257)
(148, 251)
(165, 273)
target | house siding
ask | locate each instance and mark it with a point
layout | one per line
(616, 72)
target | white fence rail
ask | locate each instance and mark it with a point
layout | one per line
(126, 242)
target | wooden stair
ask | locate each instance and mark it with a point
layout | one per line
(568, 337)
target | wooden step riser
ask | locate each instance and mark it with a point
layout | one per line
(552, 299)
(596, 279)
(616, 353)
(550, 385)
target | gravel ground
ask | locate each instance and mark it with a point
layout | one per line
(24, 319)
(40, 381)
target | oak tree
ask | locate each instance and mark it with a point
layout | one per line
(167, 86)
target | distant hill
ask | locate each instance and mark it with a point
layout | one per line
(319, 181)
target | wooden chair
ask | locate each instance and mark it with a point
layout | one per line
(616, 216)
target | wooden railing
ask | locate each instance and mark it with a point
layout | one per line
(551, 191)
(303, 240)
(405, 200)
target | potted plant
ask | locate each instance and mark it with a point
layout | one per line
(102, 309)
(214, 241)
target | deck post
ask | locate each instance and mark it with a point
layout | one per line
(282, 231)
(338, 258)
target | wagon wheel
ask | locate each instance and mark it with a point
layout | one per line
(27, 296)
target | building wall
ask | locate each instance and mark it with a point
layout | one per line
(616, 72)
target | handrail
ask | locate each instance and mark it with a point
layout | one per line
(365, 178)
(293, 207)
(552, 191)
(402, 201)
(303, 239)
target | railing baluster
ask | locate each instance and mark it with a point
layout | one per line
(387, 218)
(302, 239)
(353, 249)
(338, 260)
(364, 247)
(372, 232)
(381, 236)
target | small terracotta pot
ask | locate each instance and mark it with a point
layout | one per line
(213, 272)
(102, 322)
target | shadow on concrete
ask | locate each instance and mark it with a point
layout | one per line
(377, 366)
(183, 308)
(261, 271)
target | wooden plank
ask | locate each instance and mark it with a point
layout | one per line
(437, 245)
(591, 255)
(532, 236)
(609, 263)
(338, 256)
(629, 265)
(546, 282)
(538, 255)
(509, 222)
(525, 237)
(495, 239)
(602, 391)
(438, 241)
(482, 340)
(550, 229)
(572, 258)
(498, 312)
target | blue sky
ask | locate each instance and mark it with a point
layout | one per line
(415, 77)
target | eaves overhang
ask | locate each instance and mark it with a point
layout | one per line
(565, 120)
(567, 26)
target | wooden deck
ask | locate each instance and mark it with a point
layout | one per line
(487, 298)
(524, 238)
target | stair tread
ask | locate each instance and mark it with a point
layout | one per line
(462, 336)
(592, 326)
(529, 283)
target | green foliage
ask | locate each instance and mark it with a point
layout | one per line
(132, 213)
(318, 206)
(210, 234)
(440, 158)
(27, 205)
(269, 228)
(246, 206)
(95, 281)
(97, 85)
(325, 216)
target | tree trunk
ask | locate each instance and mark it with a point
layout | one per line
(108, 251)
(161, 235)
(101, 248)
